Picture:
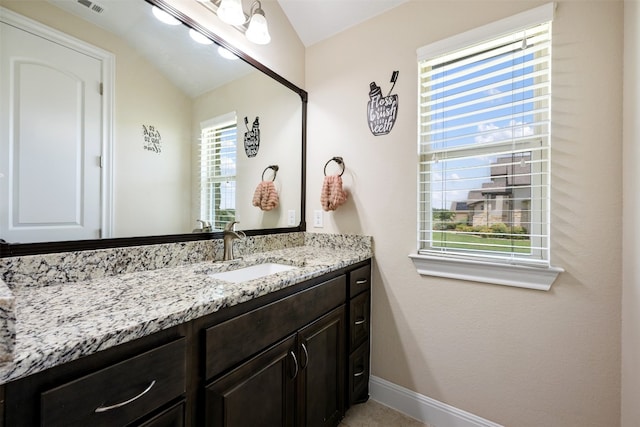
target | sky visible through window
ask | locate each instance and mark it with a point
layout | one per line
(488, 102)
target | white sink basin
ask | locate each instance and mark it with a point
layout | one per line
(252, 272)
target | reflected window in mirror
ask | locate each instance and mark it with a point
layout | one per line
(217, 182)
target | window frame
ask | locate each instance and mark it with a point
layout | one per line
(208, 178)
(536, 273)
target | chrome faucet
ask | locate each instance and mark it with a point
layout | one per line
(205, 227)
(228, 236)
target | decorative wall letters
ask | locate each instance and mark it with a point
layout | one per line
(252, 137)
(152, 139)
(382, 110)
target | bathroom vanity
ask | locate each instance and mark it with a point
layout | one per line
(178, 347)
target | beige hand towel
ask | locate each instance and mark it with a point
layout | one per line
(266, 197)
(332, 194)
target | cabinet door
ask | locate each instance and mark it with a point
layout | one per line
(322, 375)
(260, 392)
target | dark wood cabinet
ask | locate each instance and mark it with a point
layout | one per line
(260, 392)
(127, 385)
(322, 372)
(298, 381)
(118, 394)
(294, 357)
(359, 328)
(171, 417)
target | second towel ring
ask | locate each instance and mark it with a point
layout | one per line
(275, 171)
(338, 160)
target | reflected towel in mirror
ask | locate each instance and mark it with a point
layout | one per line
(266, 196)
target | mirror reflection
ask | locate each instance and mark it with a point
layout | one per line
(115, 124)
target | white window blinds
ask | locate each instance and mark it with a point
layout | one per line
(484, 145)
(218, 171)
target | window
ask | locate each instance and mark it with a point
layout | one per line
(218, 170)
(484, 147)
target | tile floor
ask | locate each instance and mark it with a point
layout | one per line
(374, 414)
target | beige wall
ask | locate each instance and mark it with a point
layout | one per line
(514, 356)
(631, 235)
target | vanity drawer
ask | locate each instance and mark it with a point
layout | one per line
(359, 320)
(359, 280)
(121, 393)
(237, 339)
(358, 390)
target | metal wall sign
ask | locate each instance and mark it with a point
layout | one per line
(252, 137)
(382, 111)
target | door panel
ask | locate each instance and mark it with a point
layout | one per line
(258, 393)
(51, 140)
(322, 358)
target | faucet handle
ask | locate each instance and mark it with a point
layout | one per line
(229, 226)
(205, 226)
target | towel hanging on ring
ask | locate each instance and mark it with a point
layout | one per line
(332, 194)
(266, 196)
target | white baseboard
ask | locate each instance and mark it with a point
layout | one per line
(423, 408)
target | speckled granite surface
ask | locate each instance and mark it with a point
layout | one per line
(105, 301)
(7, 323)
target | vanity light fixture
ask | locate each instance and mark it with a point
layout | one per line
(230, 12)
(254, 26)
(257, 31)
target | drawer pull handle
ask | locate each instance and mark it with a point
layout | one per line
(359, 322)
(359, 374)
(361, 282)
(295, 363)
(306, 357)
(126, 402)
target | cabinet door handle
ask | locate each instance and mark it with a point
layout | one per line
(306, 357)
(359, 374)
(359, 321)
(361, 281)
(126, 402)
(295, 363)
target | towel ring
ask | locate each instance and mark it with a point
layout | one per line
(338, 160)
(275, 171)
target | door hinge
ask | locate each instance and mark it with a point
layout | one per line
(101, 89)
(101, 161)
(99, 233)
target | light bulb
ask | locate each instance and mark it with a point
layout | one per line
(230, 11)
(258, 31)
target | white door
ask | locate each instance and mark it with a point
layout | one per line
(50, 140)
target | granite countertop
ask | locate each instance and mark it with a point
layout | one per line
(59, 323)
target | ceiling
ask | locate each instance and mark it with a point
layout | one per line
(313, 20)
(316, 20)
(193, 67)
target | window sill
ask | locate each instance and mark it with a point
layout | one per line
(539, 278)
